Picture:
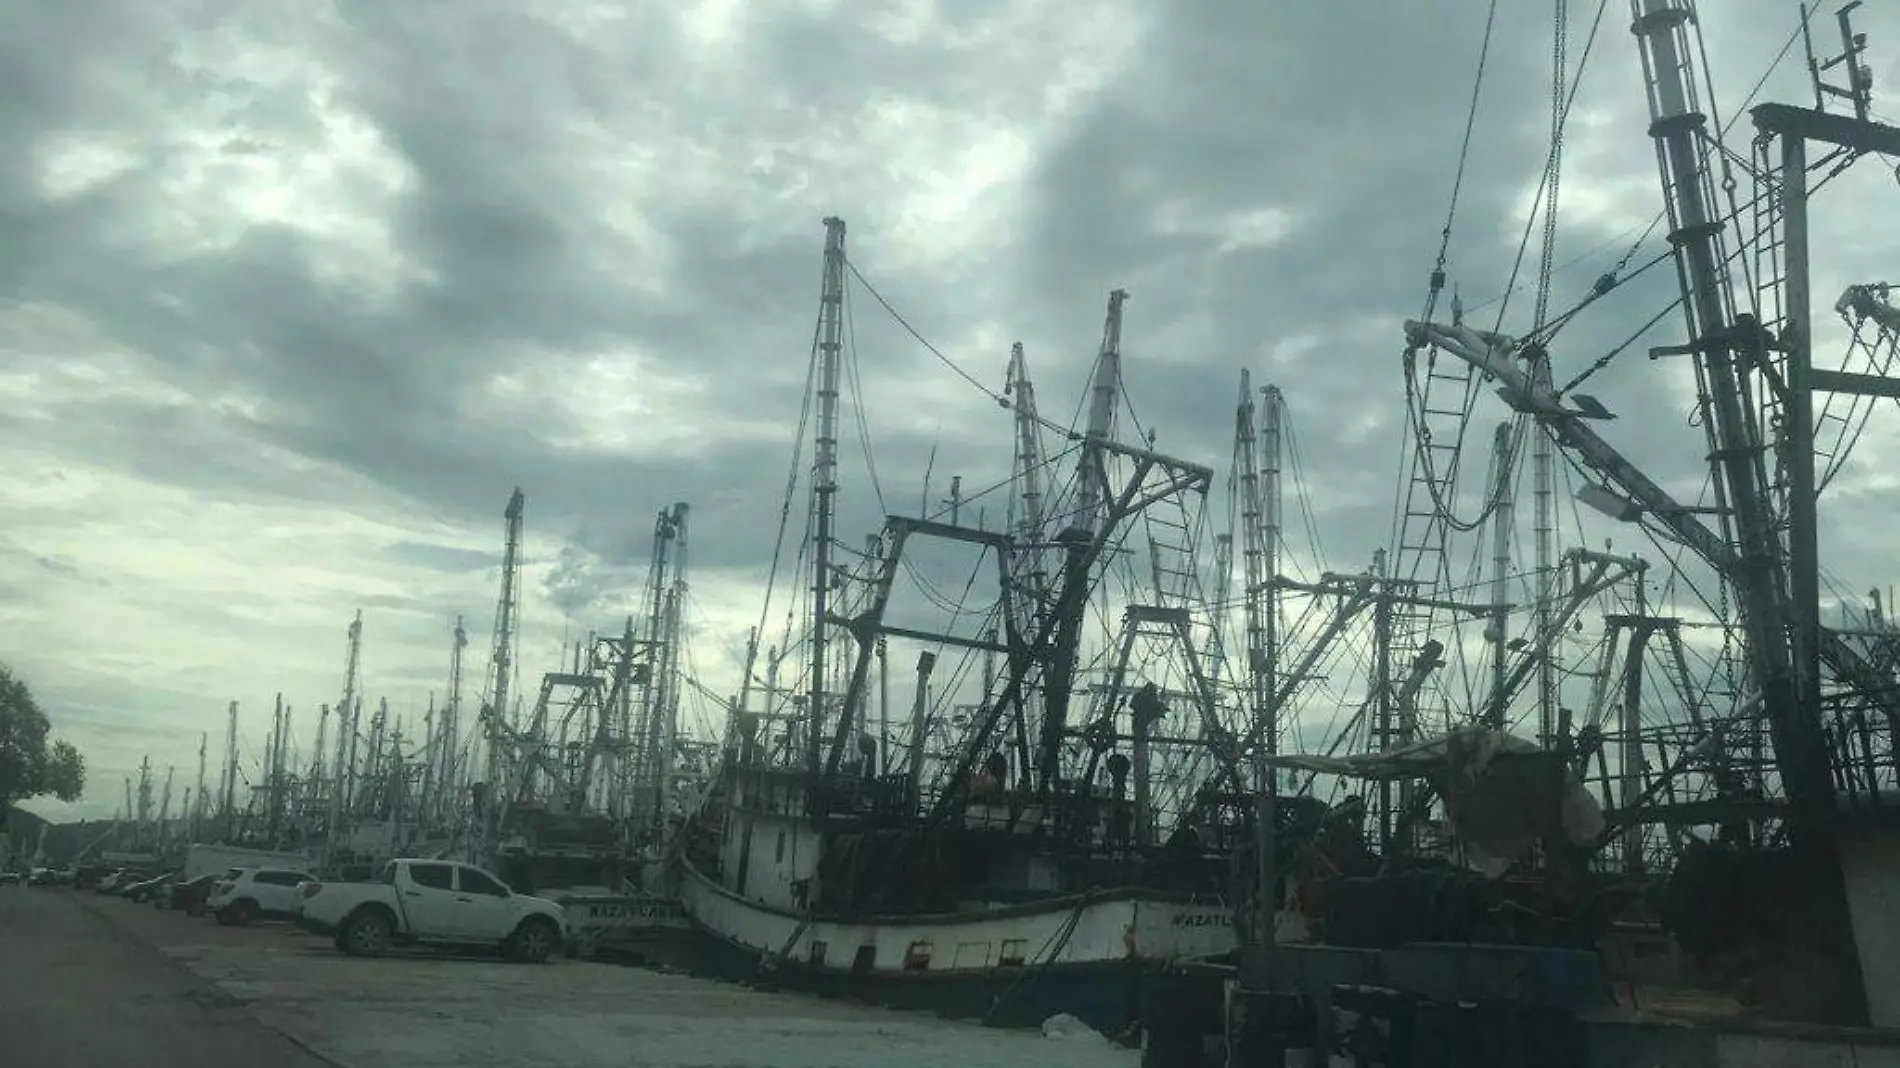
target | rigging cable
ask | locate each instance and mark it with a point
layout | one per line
(1559, 112)
(1879, 369)
(1464, 156)
(785, 509)
(858, 401)
(1001, 400)
(1400, 503)
(1552, 160)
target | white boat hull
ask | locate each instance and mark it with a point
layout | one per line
(1013, 965)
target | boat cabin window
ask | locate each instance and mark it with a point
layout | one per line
(917, 957)
(1012, 952)
(972, 955)
(866, 958)
(817, 952)
(781, 848)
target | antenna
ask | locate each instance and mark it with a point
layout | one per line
(1860, 77)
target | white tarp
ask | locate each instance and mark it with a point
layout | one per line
(1501, 792)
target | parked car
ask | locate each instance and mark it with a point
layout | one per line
(432, 902)
(254, 893)
(189, 894)
(11, 878)
(142, 891)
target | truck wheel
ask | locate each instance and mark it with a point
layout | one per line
(533, 941)
(365, 934)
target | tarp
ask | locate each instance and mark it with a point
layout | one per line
(1501, 793)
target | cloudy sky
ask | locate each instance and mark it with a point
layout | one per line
(293, 295)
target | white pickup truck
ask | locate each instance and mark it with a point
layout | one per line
(431, 902)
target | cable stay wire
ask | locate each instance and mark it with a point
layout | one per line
(1001, 400)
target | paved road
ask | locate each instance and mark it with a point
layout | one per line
(78, 991)
(93, 982)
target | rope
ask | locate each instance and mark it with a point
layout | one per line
(1048, 953)
(769, 962)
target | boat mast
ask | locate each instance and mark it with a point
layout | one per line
(450, 728)
(824, 487)
(1543, 453)
(1257, 455)
(502, 659)
(1071, 606)
(1272, 410)
(1760, 575)
(1502, 521)
(198, 805)
(1029, 454)
(1105, 398)
(230, 773)
(663, 663)
(1256, 517)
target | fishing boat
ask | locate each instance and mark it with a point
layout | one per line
(1034, 843)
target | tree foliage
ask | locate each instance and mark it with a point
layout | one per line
(30, 765)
